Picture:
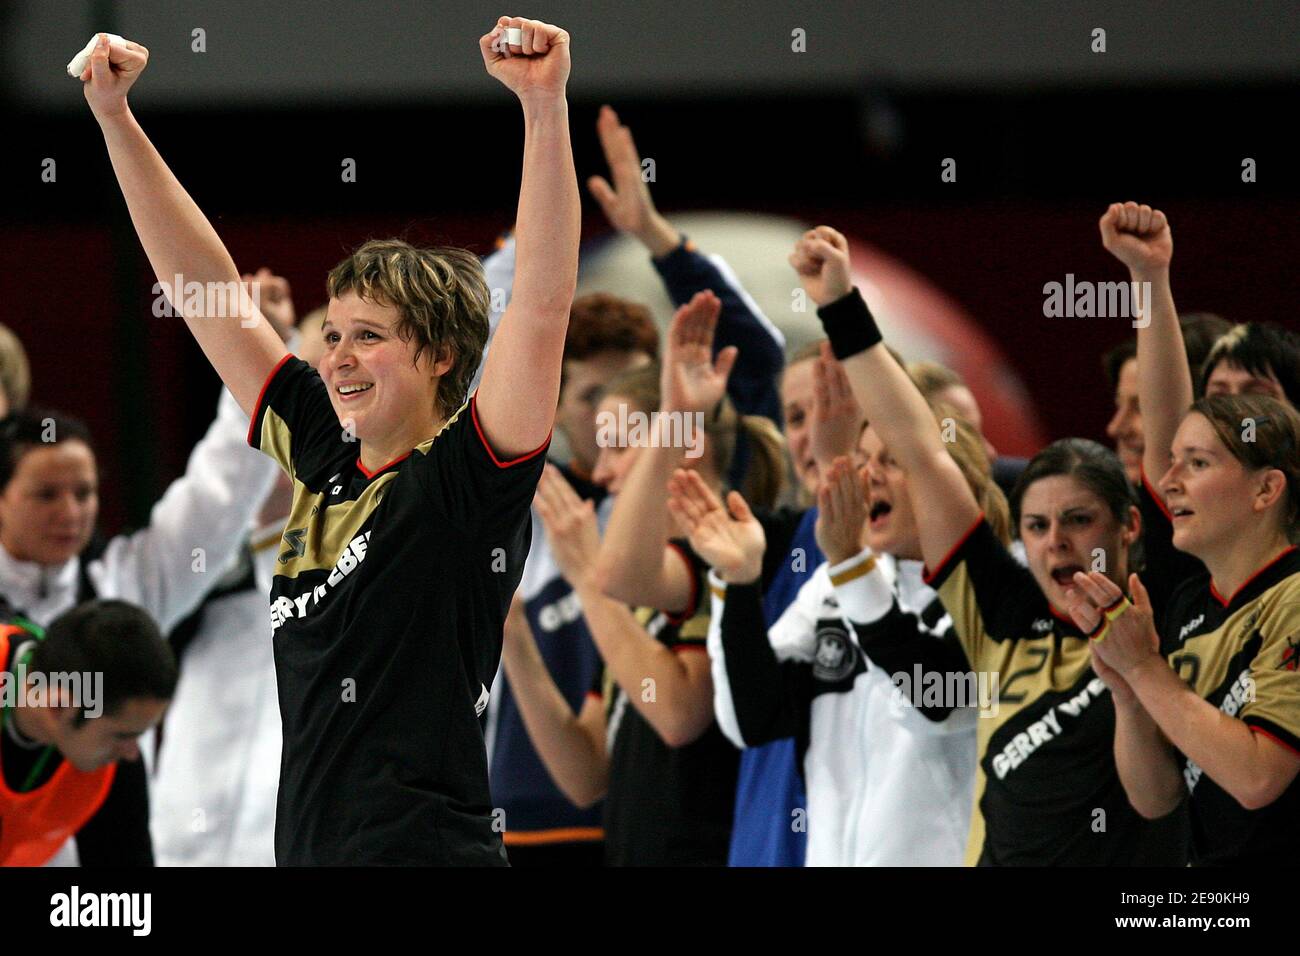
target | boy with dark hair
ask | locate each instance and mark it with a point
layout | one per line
(76, 699)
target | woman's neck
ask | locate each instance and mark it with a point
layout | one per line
(375, 454)
(1247, 555)
(23, 557)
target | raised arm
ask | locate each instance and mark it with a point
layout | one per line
(635, 565)
(685, 271)
(836, 417)
(889, 399)
(521, 377)
(681, 707)
(1139, 237)
(195, 528)
(177, 238)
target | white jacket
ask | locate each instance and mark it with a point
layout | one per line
(193, 532)
(213, 794)
(886, 785)
(166, 568)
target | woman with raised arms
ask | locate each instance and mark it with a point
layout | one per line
(410, 523)
(1047, 790)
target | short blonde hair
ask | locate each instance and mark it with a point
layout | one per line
(15, 370)
(932, 378)
(441, 296)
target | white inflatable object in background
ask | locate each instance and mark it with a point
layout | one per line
(77, 65)
(915, 315)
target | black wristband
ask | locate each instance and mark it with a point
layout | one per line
(849, 325)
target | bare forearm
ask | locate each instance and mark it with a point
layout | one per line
(659, 236)
(1164, 378)
(1222, 746)
(576, 762)
(630, 565)
(548, 225)
(652, 675)
(1147, 766)
(180, 242)
(177, 237)
(521, 377)
(894, 406)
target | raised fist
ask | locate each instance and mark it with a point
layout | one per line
(538, 64)
(1137, 236)
(821, 257)
(112, 71)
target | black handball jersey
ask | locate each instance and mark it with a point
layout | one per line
(387, 607)
(1242, 654)
(667, 806)
(1047, 791)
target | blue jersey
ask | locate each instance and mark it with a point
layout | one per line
(770, 827)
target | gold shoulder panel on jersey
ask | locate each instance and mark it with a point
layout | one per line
(1275, 672)
(275, 438)
(958, 596)
(1203, 659)
(315, 535)
(975, 838)
(697, 628)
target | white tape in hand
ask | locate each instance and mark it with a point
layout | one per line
(78, 64)
(514, 36)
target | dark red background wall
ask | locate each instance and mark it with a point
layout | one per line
(1035, 172)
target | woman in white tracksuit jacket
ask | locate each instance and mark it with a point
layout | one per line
(49, 504)
(889, 770)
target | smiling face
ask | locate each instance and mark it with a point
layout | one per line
(891, 520)
(375, 383)
(1066, 528)
(1125, 426)
(48, 509)
(796, 405)
(98, 741)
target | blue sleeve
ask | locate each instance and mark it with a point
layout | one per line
(752, 387)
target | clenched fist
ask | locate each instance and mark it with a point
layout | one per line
(1138, 236)
(821, 258)
(537, 65)
(112, 71)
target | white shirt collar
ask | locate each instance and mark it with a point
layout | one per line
(36, 588)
